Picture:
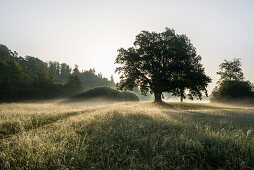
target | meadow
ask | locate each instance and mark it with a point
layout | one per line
(126, 135)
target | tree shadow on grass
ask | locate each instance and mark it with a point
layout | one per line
(216, 117)
(12, 127)
(226, 120)
(188, 106)
(140, 141)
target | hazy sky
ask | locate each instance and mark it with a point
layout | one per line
(88, 33)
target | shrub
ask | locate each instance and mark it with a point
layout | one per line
(232, 90)
(107, 93)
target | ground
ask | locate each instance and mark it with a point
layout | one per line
(129, 135)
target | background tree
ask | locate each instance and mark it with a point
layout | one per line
(76, 70)
(54, 71)
(162, 62)
(231, 85)
(100, 75)
(31, 78)
(74, 82)
(112, 79)
(65, 72)
(231, 70)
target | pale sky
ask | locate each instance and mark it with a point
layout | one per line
(88, 33)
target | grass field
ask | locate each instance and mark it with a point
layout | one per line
(130, 135)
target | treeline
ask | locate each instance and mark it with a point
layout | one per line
(30, 78)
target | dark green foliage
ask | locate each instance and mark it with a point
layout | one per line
(76, 70)
(233, 91)
(31, 78)
(91, 80)
(231, 86)
(74, 82)
(231, 70)
(64, 72)
(107, 93)
(54, 71)
(162, 62)
(4, 51)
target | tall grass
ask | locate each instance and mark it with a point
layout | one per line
(16, 118)
(135, 136)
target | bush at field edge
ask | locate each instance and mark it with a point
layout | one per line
(107, 93)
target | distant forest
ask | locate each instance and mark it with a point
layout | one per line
(24, 78)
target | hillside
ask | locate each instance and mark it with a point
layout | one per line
(26, 78)
(130, 135)
(105, 93)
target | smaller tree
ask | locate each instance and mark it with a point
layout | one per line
(54, 71)
(232, 89)
(76, 70)
(231, 70)
(74, 82)
(112, 79)
(100, 75)
(92, 70)
(231, 85)
(65, 72)
(4, 51)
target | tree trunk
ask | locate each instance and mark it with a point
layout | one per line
(181, 98)
(157, 97)
(182, 95)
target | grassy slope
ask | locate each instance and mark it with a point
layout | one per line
(126, 135)
(106, 93)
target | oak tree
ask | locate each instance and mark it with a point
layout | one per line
(162, 62)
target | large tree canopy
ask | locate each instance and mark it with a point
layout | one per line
(162, 62)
